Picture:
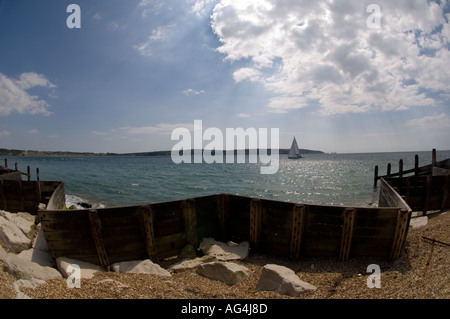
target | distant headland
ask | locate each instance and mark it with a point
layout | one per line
(13, 152)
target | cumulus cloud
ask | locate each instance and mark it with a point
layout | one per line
(325, 52)
(14, 97)
(433, 121)
(158, 34)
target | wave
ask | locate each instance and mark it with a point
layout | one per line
(81, 203)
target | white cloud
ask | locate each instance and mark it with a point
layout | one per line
(192, 92)
(162, 128)
(4, 133)
(429, 122)
(324, 52)
(244, 115)
(158, 34)
(200, 7)
(14, 97)
(33, 131)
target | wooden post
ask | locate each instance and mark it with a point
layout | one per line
(400, 168)
(255, 222)
(6, 163)
(16, 166)
(445, 192)
(222, 211)
(347, 233)
(401, 231)
(96, 229)
(426, 199)
(433, 158)
(388, 171)
(190, 222)
(375, 177)
(3, 204)
(147, 217)
(37, 174)
(28, 173)
(298, 227)
(416, 165)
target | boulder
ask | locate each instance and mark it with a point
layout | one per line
(12, 237)
(87, 270)
(37, 256)
(187, 252)
(191, 264)
(40, 243)
(227, 272)
(23, 269)
(418, 222)
(24, 221)
(283, 280)
(140, 267)
(2, 253)
(222, 251)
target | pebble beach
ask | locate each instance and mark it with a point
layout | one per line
(421, 272)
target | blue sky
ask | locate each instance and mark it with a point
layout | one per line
(138, 69)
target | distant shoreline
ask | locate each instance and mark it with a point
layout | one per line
(31, 153)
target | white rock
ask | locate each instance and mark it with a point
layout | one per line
(87, 270)
(191, 264)
(12, 237)
(140, 267)
(26, 283)
(226, 272)
(224, 251)
(39, 257)
(418, 222)
(24, 221)
(23, 269)
(283, 280)
(40, 242)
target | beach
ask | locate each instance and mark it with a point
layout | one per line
(419, 273)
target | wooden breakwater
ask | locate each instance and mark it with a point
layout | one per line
(17, 195)
(428, 188)
(276, 228)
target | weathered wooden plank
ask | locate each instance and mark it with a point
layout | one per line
(146, 215)
(347, 233)
(223, 216)
(190, 222)
(255, 223)
(298, 226)
(400, 233)
(96, 229)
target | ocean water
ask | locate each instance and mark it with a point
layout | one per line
(330, 179)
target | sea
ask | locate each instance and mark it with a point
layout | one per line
(321, 179)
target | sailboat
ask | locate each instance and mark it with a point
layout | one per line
(294, 152)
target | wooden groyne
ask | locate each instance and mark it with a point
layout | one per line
(160, 230)
(427, 189)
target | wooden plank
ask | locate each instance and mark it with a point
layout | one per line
(347, 233)
(222, 214)
(147, 216)
(400, 233)
(96, 229)
(255, 223)
(298, 226)
(3, 204)
(190, 222)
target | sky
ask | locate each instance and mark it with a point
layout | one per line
(341, 76)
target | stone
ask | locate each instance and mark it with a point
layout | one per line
(87, 270)
(224, 251)
(39, 242)
(12, 237)
(24, 221)
(191, 264)
(39, 257)
(2, 253)
(188, 252)
(283, 280)
(23, 269)
(140, 267)
(227, 272)
(418, 222)
(26, 283)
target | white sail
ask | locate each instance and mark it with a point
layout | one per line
(294, 152)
